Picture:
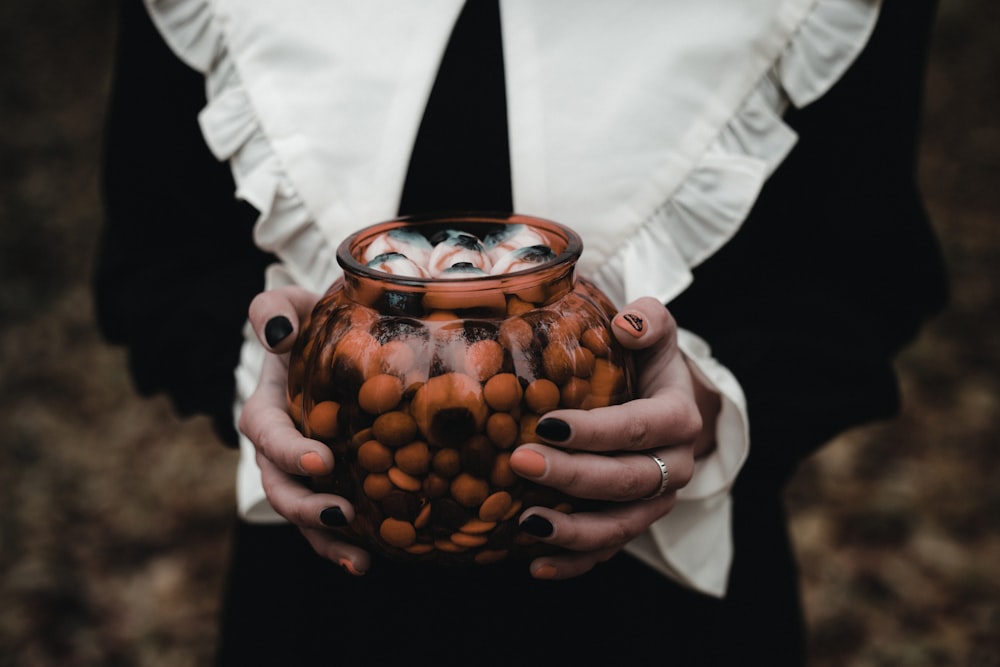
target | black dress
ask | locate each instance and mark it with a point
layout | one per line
(833, 273)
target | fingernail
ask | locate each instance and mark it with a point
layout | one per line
(333, 517)
(537, 526)
(528, 462)
(552, 429)
(277, 329)
(544, 572)
(349, 567)
(312, 463)
(631, 323)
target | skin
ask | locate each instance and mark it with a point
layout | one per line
(674, 418)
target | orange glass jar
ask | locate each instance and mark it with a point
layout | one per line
(422, 387)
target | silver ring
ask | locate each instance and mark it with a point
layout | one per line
(664, 478)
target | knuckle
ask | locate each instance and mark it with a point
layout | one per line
(635, 431)
(619, 534)
(632, 484)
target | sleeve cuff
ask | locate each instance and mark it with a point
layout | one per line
(693, 543)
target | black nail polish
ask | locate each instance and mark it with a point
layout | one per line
(537, 526)
(550, 428)
(333, 517)
(277, 329)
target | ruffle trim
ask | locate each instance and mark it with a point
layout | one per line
(710, 205)
(705, 211)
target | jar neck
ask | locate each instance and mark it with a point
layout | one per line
(490, 295)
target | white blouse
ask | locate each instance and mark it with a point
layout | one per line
(649, 126)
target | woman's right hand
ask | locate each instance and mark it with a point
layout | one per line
(284, 455)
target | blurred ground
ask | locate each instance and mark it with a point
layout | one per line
(103, 563)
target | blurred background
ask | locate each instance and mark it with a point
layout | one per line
(114, 514)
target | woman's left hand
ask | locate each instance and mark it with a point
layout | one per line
(615, 453)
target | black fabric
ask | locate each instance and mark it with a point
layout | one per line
(834, 271)
(314, 613)
(177, 266)
(461, 159)
(836, 267)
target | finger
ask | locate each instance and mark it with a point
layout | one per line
(275, 315)
(610, 528)
(353, 559)
(265, 421)
(619, 478)
(649, 329)
(643, 323)
(569, 565)
(669, 417)
(293, 500)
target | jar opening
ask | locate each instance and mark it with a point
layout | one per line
(443, 261)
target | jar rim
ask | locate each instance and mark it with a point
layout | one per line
(566, 257)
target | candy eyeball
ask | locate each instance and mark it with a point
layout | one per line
(462, 270)
(511, 238)
(453, 253)
(523, 258)
(408, 242)
(458, 248)
(397, 264)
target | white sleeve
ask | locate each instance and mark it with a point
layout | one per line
(693, 543)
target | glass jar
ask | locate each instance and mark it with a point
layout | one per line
(422, 387)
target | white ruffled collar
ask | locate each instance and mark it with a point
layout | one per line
(318, 116)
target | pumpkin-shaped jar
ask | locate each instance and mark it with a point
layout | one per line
(431, 359)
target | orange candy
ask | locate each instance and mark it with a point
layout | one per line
(323, 419)
(447, 462)
(468, 490)
(404, 480)
(414, 458)
(447, 394)
(502, 430)
(597, 340)
(528, 423)
(495, 506)
(394, 428)
(542, 395)
(483, 359)
(503, 392)
(398, 533)
(373, 456)
(396, 357)
(377, 486)
(516, 333)
(574, 393)
(380, 393)
(503, 475)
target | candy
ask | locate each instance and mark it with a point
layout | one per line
(527, 257)
(462, 270)
(397, 264)
(454, 254)
(510, 238)
(407, 242)
(457, 248)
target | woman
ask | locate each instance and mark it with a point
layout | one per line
(797, 297)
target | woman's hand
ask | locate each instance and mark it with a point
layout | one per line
(611, 449)
(610, 453)
(284, 455)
